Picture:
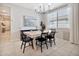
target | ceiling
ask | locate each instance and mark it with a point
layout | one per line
(34, 6)
(28, 5)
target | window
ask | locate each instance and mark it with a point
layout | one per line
(58, 18)
(30, 21)
(63, 21)
(52, 20)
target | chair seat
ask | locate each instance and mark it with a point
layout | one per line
(28, 39)
(49, 36)
(40, 39)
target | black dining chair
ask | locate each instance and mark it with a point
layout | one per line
(51, 38)
(42, 40)
(26, 39)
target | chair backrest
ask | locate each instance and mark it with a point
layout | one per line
(23, 36)
(53, 34)
(44, 35)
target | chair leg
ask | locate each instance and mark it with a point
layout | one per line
(50, 42)
(46, 44)
(36, 42)
(54, 41)
(41, 47)
(21, 44)
(24, 47)
(32, 44)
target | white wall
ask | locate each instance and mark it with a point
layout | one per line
(17, 14)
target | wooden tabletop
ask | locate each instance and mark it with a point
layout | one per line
(33, 33)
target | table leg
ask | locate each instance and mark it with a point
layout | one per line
(34, 43)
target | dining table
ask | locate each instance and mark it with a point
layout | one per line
(34, 34)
